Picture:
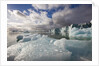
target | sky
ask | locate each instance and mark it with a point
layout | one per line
(46, 16)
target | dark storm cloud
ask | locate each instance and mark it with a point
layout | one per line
(77, 15)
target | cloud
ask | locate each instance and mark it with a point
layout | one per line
(47, 6)
(32, 19)
(40, 6)
(19, 14)
(17, 19)
(16, 15)
(76, 15)
(39, 19)
(24, 12)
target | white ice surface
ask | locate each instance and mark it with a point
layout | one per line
(43, 48)
(40, 49)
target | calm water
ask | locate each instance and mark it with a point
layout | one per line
(11, 38)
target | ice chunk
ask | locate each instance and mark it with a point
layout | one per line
(38, 36)
(60, 43)
(13, 51)
(26, 39)
(51, 41)
(20, 37)
(34, 38)
(45, 36)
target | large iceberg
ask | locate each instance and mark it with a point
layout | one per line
(74, 31)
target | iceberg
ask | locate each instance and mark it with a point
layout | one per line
(74, 31)
(80, 34)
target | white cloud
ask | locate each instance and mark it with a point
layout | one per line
(39, 19)
(18, 19)
(47, 6)
(40, 6)
(24, 12)
(19, 14)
